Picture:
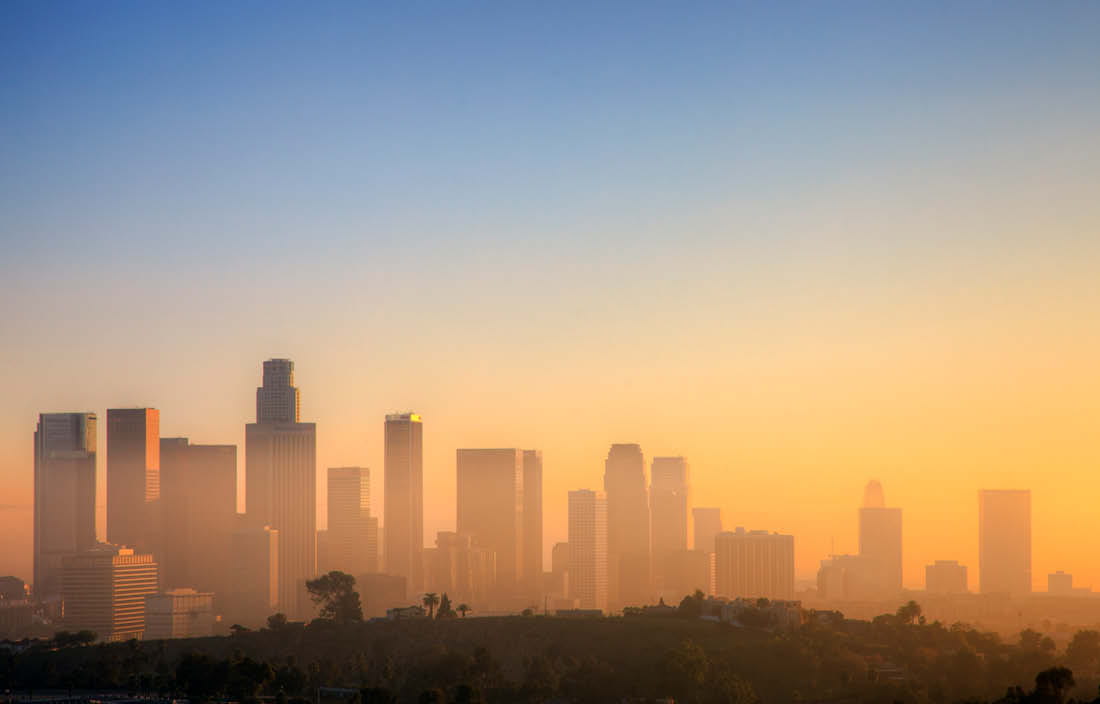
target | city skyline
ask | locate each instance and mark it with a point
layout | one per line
(802, 247)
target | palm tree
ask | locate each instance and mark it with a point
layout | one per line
(463, 609)
(430, 600)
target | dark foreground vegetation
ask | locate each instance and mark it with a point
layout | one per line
(539, 659)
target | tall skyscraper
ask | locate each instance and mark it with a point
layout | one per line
(755, 564)
(490, 509)
(588, 558)
(1004, 541)
(624, 482)
(880, 541)
(133, 477)
(352, 535)
(532, 518)
(199, 509)
(669, 496)
(64, 495)
(403, 535)
(104, 590)
(281, 482)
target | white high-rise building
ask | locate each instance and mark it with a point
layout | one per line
(588, 548)
(281, 483)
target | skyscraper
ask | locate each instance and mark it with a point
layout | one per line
(199, 509)
(755, 564)
(490, 509)
(624, 482)
(133, 477)
(588, 548)
(668, 500)
(64, 495)
(352, 534)
(404, 498)
(880, 541)
(1004, 541)
(253, 573)
(532, 518)
(281, 482)
(708, 524)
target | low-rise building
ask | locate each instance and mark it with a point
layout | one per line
(179, 613)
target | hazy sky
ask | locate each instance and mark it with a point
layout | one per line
(803, 244)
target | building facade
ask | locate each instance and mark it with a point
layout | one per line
(133, 477)
(403, 536)
(64, 495)
(754, 564)
(669, 500)
(628, 549)
(179, 613)
(945, 577)
(253, 573)
(532, 519)
(352, 534)
(1004, 542)
(880, 541)
(104, 590)
(490, 500)
(588, 559)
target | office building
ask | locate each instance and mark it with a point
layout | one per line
(880, 541)
(628, 547)
(1060, 583)
(588, 549)
(707, 525)
(199, 510)
(281, 483)
(404, 498)
(253, 573)
(179, 613)
(64, 495)
(668, 500)
(133, 477)
(945, 577)
(847, 578)
(465, 572)
(1004, 542)
(532, 519)
(104, 590)
(490, 510)
(352, 535)
(754, 564)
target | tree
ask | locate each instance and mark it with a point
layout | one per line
(276, 621)
(909, 613)
(237, 629)
(463, 609)
(1053, 684)
(445, 610)
(1083, 652)
(1030, 639)
(431, 600)
(335, 594)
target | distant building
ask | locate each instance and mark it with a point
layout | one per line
(588, 560)
(12, 589)
(1060, 583)
(755, 564)
(457, 567)
(133, 477)
(490, 509)
(404, 497)
(253, 573)
(684, 572)
(532, 519)
(880, 541)
(848, 578)
(281, 482)
(381, 592)
(945, 577)
(556, 581)
(708, 524)
(628, 549)
(1004, 542)
(352, 535)
(104, 590)
(403, 613)
(199, 509)
(16, 617)
(64, 495)
(669, 497)
(179, 613)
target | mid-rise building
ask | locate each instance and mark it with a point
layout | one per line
(532, 518)
(104, 591)
(628, 550)
(490, 510)
(945, 577)
(64, 495)
(179, 613)
(588, 549)
(755, 564)
(880, 543)
(133, 478)
(1004, 542)
(1060, 583)
(404, 498)
(199, 509)
(281, 483)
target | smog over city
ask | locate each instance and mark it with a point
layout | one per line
(549, 352)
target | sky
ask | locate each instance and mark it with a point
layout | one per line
(802, 244)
